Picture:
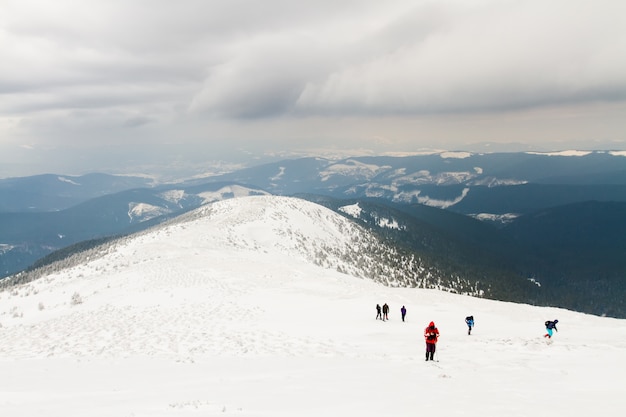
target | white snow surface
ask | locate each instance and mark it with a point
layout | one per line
(228, 192)
(173, 196)
(456, 155)
(498, 218)
(223, 313)
(67, 180)
(571, 152)
(353, 210)
(353, 168)
(4, 247)
(138, 212)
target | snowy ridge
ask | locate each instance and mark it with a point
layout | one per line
(352, 168)
(5, 248)
(321, 237)
(497, 182)
(496, 218)
(354, 210)
(265, 223)
(173, 196)
(222, 312)
(399, 179)
(140, 212)
(228, 192)
(293, 228)
(67, 180)
(571, 152)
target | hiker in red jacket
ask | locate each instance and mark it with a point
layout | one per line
(431, 333)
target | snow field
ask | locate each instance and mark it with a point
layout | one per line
(191, 320)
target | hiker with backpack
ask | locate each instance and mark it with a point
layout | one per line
(549, 326)
(469, 320)
(385, 312)
(431, 334)
(378, 312)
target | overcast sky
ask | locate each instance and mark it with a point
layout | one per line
(112, 85)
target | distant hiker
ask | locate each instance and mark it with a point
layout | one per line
(549, 326)
(469, 320)
(385, 312)
(431, 334)
(403, 311)
(378, 312)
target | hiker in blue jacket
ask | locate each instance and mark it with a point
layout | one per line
(549, 326)
(469, 320)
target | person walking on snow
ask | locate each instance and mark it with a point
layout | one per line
(378, 313)
(403, 311)
(431, 334)
(549, 326)
(385, 312)
(469, 320)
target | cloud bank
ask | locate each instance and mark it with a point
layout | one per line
(417, 73)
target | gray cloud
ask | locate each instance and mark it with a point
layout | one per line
(299, 74)
(499, 59)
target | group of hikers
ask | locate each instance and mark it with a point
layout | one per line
(431, 333)
(383, 312)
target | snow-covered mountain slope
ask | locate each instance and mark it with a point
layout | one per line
(225, 311)
(321, 236)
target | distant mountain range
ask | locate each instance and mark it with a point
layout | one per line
(43, 193)
(555, 220)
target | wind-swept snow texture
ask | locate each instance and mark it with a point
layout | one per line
(224, 313)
